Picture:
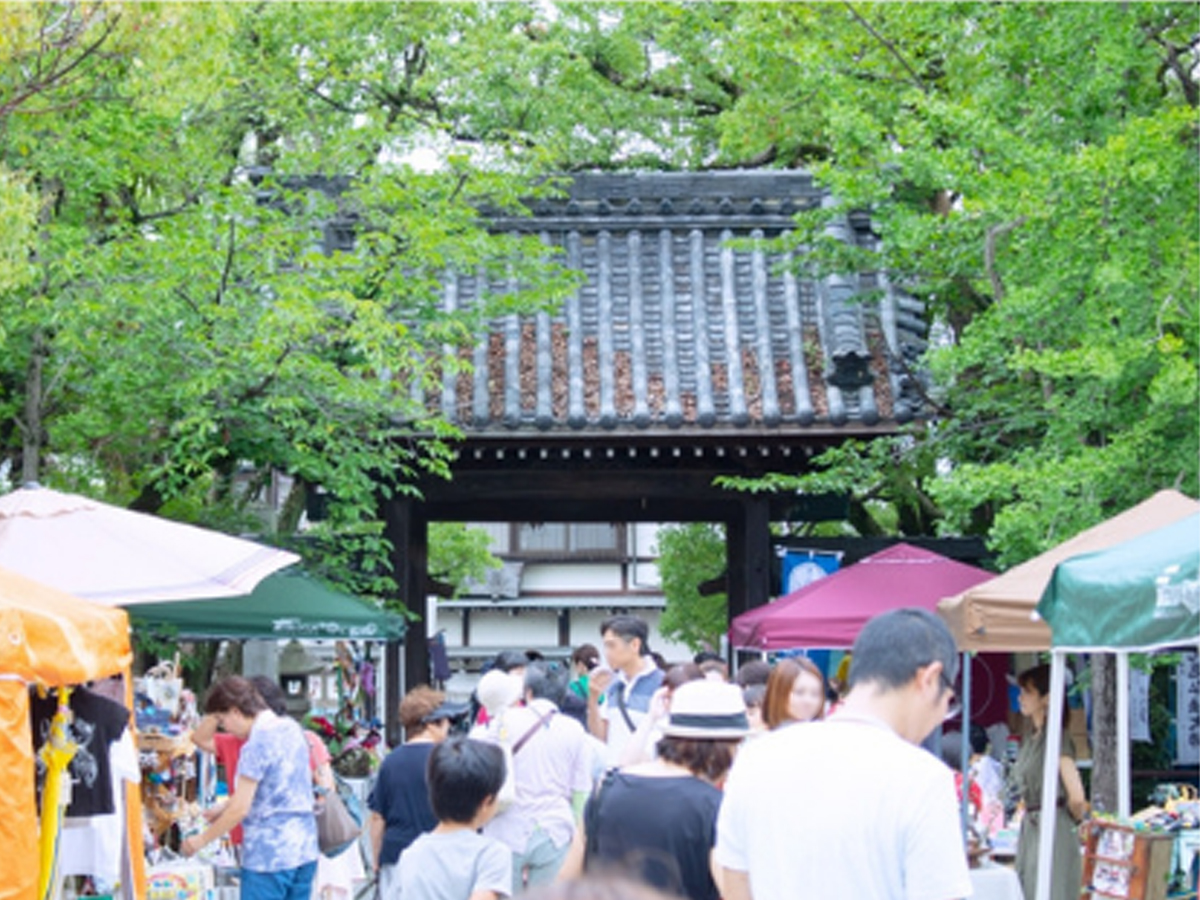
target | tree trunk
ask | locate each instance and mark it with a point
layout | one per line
(1104, 732)
(31, 427)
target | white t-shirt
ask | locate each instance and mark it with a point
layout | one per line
(843, 808)
(553, 764)
(92, 845)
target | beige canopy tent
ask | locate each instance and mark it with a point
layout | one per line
(1000, 614)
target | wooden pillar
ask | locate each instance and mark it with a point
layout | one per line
(406, 527)
(564, 628)
(748, 556)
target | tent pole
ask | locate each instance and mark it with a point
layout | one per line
(965, 743)
(1053, 728)
(1123, 788)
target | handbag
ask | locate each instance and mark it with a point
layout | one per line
(339, 818)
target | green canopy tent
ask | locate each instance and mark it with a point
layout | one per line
(287, 604)
(1140, 595)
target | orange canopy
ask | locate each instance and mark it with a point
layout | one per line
(47, 638)
(1000, 614)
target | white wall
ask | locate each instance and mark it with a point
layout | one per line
(497, 628)
(576, 578)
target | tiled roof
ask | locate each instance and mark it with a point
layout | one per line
(673, 329)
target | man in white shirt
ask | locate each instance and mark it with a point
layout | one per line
(852, 807)
(627, 685)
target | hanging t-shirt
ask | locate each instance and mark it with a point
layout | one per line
(92, 846)
(98, 722)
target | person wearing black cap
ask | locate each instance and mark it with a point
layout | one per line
(399, 802)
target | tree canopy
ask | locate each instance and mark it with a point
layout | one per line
(180, 305)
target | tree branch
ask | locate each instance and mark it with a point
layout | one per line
(989, 254)
(1174, 64)
(56, 74)
(890, 47)
(228, 269)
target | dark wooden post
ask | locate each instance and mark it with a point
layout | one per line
(748, 556)
(408, 530)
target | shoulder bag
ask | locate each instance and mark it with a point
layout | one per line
(339, 818)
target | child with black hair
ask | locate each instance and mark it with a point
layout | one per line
(454, 862)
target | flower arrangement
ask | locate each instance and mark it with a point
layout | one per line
(352, 746)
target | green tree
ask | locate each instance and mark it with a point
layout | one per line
(459, 554)
(186, 317)
(691, 554)
(1052, 233)
(1032, 173)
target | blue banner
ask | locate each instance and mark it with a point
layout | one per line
(801, 567)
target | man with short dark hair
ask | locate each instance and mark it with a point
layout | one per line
(852, 806)
(627, 684)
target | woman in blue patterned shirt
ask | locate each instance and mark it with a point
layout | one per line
(273, 799)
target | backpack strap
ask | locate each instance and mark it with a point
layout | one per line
(619, 693)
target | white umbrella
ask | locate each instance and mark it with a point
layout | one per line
(117, 557)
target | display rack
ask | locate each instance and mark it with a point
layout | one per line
(1126, 863)
(168, 781)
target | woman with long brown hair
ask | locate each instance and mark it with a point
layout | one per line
(795, 693)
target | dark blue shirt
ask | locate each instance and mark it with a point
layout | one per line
(401, 797)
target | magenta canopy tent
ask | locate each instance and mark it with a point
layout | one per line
(829, 612)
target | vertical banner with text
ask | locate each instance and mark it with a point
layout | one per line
(1187, 710)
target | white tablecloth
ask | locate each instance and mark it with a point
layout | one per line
(996, 883)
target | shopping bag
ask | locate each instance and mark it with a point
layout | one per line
(508, 791)
(339, 818)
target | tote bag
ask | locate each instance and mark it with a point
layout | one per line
(339, 818)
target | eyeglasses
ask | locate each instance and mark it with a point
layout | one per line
(954, 707)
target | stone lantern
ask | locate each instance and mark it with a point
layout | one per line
(296, 664)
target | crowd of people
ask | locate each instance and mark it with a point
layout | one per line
(580, 780)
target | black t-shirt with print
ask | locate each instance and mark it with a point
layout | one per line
(97, 723)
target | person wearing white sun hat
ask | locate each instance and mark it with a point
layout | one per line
(657, 820)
